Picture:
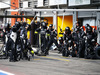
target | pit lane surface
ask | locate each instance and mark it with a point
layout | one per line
(54, 64)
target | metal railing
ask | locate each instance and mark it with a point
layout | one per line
(95, 1)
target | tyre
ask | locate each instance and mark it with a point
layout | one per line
(81, 53)
(87, 54)
(29, 58)
(73, 53)
(81, 50)
(60, 48)
(19, 57)
(67, 53)
(64, 52)
(97, 52)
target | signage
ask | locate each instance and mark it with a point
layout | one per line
(4, 5)
(57, 2)
(25, 4)
(78, 2)
(40, 3)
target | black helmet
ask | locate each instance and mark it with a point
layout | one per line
(89, 29)
(79, 24)
(16, 23)
(24, 24)
(87, 25)
(43, 24)
(7, 27)
(14, 29)
(67, 29)
(77, 29)
(51, 25)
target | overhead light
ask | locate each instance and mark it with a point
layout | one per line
(45, 12)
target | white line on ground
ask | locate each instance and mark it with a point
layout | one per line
(7, 73)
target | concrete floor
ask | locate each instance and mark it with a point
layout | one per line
(54, 64)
